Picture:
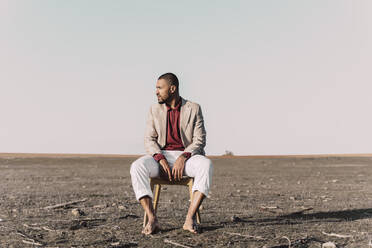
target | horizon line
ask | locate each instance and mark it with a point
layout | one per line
(71, 155)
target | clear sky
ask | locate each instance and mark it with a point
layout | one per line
(272, 77)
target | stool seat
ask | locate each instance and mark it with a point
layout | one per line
(158, 182)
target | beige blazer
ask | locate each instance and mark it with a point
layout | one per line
(192, 130)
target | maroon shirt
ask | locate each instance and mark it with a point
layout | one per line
(173, 142)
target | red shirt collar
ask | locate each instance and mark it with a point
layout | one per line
(178, 105)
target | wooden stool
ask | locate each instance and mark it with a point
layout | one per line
(158, 182)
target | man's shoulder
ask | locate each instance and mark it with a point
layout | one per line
(156, 106)
(186, 103)
(157, 109)
(191, 104)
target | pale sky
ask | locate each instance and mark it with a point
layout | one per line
(272, 77)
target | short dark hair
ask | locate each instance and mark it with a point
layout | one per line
(170, 78)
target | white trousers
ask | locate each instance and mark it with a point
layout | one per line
(198, 166)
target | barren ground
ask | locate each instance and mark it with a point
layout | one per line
(254, 202)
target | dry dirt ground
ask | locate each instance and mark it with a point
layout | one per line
(254, 202)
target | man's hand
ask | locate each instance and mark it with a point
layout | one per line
(165, 172)
(178, 167)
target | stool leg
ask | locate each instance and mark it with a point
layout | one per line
(190, 189)
(145, 218)
(156, 197)
(198, 219)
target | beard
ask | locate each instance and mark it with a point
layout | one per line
(162, 100)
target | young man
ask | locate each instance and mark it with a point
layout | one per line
(174, 142)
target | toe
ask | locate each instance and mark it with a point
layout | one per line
(147, 229)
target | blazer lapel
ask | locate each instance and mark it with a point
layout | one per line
(163, 124)
(185, 116)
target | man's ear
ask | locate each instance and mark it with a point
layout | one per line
(173, 88)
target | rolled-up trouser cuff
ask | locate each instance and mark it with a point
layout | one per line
(203, 191)
(140, 194)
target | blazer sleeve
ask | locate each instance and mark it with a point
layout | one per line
(199, 135)
(151, 136)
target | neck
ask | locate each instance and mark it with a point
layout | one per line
(174, 101)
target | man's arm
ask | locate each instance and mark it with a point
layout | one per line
(199, 135)
(153, 149)
(151, 136)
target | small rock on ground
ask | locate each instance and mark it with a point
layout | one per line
(328, 245)
(77, 212)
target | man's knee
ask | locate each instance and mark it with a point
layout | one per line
(141, 165)
(136, 166)
(206, 165)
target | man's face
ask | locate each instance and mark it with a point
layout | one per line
(163, 91)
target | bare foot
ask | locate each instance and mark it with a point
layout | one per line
(151, 227)
(191, 226)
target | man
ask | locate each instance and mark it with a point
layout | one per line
(174, 142)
